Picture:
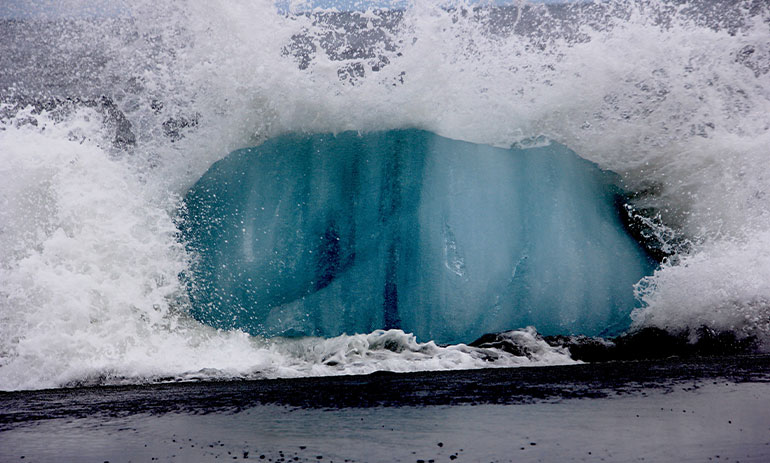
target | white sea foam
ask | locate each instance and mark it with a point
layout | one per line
(671, 98)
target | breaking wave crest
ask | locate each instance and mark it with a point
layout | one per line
(107, 120)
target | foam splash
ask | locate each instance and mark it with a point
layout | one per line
(672, 96)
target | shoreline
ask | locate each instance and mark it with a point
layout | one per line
(689, 409)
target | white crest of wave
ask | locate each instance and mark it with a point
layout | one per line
(89, 282)
(673, 96)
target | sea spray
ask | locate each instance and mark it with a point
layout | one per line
(671, 96)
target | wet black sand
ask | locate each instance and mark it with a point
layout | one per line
(715, 409)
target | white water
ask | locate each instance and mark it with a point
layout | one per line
(89, 261)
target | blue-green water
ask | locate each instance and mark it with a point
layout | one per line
(329, 234)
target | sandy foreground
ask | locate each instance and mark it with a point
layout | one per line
(670, 410)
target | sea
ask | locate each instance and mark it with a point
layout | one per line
(427, 230)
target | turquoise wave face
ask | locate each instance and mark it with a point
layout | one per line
(329, 234)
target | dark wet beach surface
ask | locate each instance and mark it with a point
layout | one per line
(665, 410)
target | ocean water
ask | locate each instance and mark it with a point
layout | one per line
(330, 234)
(109, 116)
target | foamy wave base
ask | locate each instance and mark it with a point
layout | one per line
(672, 96)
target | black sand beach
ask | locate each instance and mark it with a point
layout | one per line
(712, 409)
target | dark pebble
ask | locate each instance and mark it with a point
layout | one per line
(533, 443)
(452, 457)
(440, 444)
